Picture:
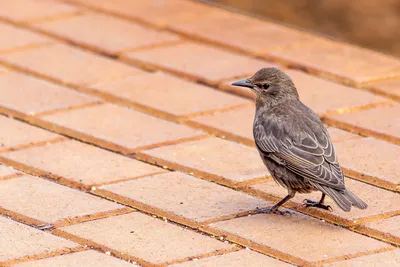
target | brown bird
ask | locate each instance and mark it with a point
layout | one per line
(294, 144)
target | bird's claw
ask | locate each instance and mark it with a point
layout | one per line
(269, 211)
(309, 203)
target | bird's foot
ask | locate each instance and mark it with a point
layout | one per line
(276, 211)
(309, 203)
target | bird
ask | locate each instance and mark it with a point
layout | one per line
(294, 144)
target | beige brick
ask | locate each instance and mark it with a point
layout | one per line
(186, 196)
(82, 163)
(89, 258)
(231, 161)
(360, 65)
(69, 65)
(5, 171)
(19, 240)
(184, 97)
(28, 10)
(380, 120)
(194, 61)
(12, 37)
(338, 135)
(16, 133)
(158, 13)
(30, 95)
(388, 226)
(378, 200)
(299, 235)
(145, 237)
(372, 157)
(391, 87)
(235, 259)
(387, 258)
(106, 33)
(47, 201)
(124, 127)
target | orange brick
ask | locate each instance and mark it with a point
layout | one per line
(282, 233)
(388, 226)
(125, 128)
(241, 32)
(390, 88)
(232, 162)
(19, 240)
(82, 163)
(89, 258)
(379, 121)
(354, 64)
(371, 157)
(69, 65)
(29, 95)
(378, 200)
(17, 38)
(387, 258)
(5, 171)
(105, 33)
(235, 259)
(239, 122)
(186, 196)
(15, 133)
(169, 94)
(194, 61)
(47, 201)
(28, 10)
(145, 237)
(157, 13)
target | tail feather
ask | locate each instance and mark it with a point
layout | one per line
(344, 199)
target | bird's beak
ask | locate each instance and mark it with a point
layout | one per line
(243, 83)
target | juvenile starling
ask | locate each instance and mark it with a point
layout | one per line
(294, 144)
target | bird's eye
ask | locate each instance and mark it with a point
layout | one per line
(265, 86)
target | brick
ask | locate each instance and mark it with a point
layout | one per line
(120, 126)
(390, 88)
(240, 122)
(388, 226)
(324, 96)
(361, 65)
(379, 200)
(145, 237)
(157, 13)
(5, 171)
(235, 259)
(184, 98)
(381, 120)
(96, 31)
(73, 66)
(27, 10)
(371, 157)
(241, 32)
(82, 163)
(15, 133)
(282, 233)
(89, 258)
(193, 61)
(19, 240)
(43, 96)
(12, 37)
(233, 162)
(387, 258)
(47, 201)
(181, 193)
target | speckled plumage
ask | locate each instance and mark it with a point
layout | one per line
(293, 142)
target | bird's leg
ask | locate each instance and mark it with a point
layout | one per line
(309, 203)
(274, 208)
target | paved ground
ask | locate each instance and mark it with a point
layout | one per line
(121, 139)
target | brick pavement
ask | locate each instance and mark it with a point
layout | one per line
(121, 139)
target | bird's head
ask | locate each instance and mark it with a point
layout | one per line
(270, 85)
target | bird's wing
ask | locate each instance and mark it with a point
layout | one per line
(306, 153)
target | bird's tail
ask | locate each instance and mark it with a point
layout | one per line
(344, 199)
